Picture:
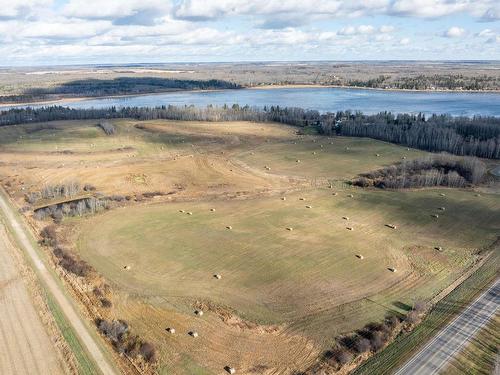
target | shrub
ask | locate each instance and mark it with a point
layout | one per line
(107, 127)
(33, 197)
(362, 345)
(49, 235)
(148, 351)
(89, 187)
(75, 266)
(115, 330)
(392, 321)
(59, 252)
(106, 303)
(378, 340)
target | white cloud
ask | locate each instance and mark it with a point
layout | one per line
(214, 9)
(386, 29)
(118, 29)
(454, 32)
(20, 8)
(486, 33)
(383, 38)
(356, 30)
(428, 8)
(64, 30)
(114, 9)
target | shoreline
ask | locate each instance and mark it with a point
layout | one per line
(262, 87)
(81, 98)
(305, 86)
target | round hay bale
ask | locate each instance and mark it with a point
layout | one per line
(392, 269)
(349, 228)
(230, 370)
(212, 209)
(442, 194)
(435, 216)
(314, 153)
(308, 206)
(283, 198)
(229, 227)
(199, 312)
(126, 268)
(478, 195)
(359, 256)
(171, 330)
(193, 334)
(350, 195)
(377, 155)
(345, 217)
(438, 248)
(189, 213)
(297, 161)
(289, 228)
(182, 211)
(302, 199)
(217, 276)
(335, 193)
(441, 208)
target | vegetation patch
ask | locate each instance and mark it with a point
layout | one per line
(436, 170)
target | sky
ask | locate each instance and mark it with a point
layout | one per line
(49, 32)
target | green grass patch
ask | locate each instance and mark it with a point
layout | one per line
(85, 364)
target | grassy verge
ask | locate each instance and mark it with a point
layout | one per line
(406, 345)
(85, 364)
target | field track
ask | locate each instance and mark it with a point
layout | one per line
(67, 307)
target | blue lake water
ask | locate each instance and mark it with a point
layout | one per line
(321, 99)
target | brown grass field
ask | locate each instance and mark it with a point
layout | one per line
(284, 294)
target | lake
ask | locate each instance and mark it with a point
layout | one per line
(322, 99)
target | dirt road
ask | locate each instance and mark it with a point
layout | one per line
(25, 346)
(56, 290)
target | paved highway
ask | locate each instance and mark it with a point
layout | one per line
(455, 336)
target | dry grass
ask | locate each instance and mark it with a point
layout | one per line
(284, 294)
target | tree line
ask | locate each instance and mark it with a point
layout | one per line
(471, 136)
(476, 136)
(117, 86)
(426, 82)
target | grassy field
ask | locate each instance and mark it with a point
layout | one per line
(284, 294)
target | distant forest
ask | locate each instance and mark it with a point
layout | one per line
(118, 86)
(476, 136)
(426, 82)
